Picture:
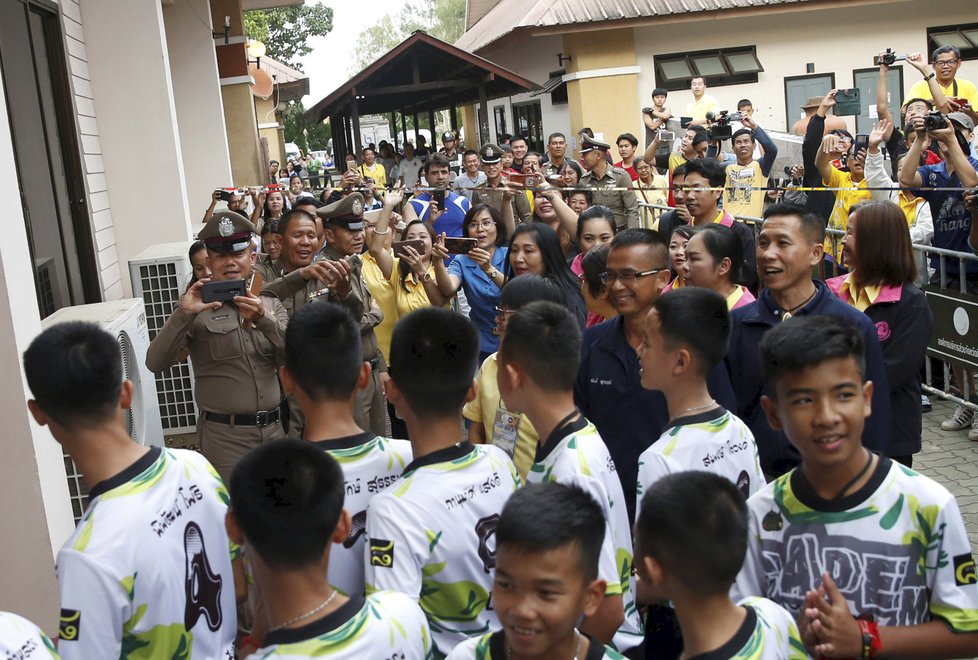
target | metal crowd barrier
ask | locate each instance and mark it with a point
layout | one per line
(941, 389)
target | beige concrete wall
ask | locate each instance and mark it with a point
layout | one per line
(37, 518)
(110, 270)
(197, 98)
(142, 156)
(836, 39)
(605, 103)
(270, 128)
(242, 134)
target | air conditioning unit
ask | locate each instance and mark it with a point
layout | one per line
(159, 276)
(125, 320)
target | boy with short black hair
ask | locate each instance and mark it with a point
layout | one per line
(149, 566)
(431, 536)
(548, 544)
(872, 557)
(324, 369)
(287, 510)
(686, 335)
(538, 364)
(690, 541)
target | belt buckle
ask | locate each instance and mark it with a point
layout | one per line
(262, 418)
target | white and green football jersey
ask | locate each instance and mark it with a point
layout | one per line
(385, 625)
(432, 536)
(897, 549)
(768, 633)
(147, 572)
(715, 441)
(22, 640)
(492, 646)
(576, 454)
(370, 464)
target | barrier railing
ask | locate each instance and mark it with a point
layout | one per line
(934, 277)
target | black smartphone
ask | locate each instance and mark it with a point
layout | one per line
(459, 245)
(861, 144)
(223, 291)
(439, 197)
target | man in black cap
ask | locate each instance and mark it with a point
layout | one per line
(344, 229)
(620, 198)
(450, 151)
(236, 348)
(492, 194)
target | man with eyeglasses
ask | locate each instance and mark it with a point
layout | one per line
(959, 95)
(608, 389)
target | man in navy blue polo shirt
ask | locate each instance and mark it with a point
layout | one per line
(608, 389)
(447, 220)
(789, 246)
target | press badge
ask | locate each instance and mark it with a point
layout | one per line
(505, 430)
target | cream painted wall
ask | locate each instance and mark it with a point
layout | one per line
(534, 59)
(32, 470)
(197, 97)
(837, 39)
(141, 155)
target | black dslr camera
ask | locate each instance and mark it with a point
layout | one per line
(720, 128)
(934, 121)
(888, 58)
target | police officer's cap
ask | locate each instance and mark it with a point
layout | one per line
(490, 153)
(447, 136)
(589, 143)
(346, 213)
(226, 232)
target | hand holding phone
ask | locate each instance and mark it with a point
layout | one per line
(223, 291)
(459, 245)
(399, 247)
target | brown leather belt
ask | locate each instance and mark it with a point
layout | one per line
(260, 419)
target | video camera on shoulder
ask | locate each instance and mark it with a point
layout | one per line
(888, 58)
(720, 128)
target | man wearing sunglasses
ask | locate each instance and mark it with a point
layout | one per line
(608, 389)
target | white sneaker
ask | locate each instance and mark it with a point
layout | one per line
(925, 404)
(961, 419)
(973, 431)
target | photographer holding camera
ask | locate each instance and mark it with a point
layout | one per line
(747, 176)
(949, 93)
(235, 201)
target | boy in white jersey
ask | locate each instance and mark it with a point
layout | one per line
(871, 556)
(287, 511)
(431, 535)
(538, 364)
(323, 370)
(22, 640)
(690, 541)
(686, 335)
(548, 543)
(148, 569)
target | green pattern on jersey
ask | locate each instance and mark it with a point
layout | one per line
(375, 445)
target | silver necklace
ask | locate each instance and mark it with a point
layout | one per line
(303, 617)
(577, 650)
(709, 404)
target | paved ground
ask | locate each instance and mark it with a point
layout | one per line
(949, 458)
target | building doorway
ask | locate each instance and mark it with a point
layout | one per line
(798, 89)
(528, 122)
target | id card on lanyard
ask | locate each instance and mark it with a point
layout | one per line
(505, 429)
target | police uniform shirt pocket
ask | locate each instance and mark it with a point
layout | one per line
(224, 342)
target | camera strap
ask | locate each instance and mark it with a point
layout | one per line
(954, 88)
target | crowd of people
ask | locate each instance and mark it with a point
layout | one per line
(493, 403)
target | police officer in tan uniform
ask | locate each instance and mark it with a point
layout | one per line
(493, 193)
(236, 348)
(344, 230)
(623, 203)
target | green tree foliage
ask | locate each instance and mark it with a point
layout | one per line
(285, 31)
(443, 19)
(309, 137)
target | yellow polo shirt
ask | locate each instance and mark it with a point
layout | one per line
(966, 90)
(844, 201)
(741, 195)
(381, 292)
(483, 409)
(698, 109)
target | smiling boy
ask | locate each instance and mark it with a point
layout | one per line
(870, 556)
(546, 578)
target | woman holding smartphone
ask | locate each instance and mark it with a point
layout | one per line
(479, 272)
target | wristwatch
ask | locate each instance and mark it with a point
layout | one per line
(426, 277)
(930, 75)
(492, 274)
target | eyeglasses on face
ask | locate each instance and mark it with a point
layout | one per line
(484, 224)
(626, 277)
(503, 312)
(946, 64)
